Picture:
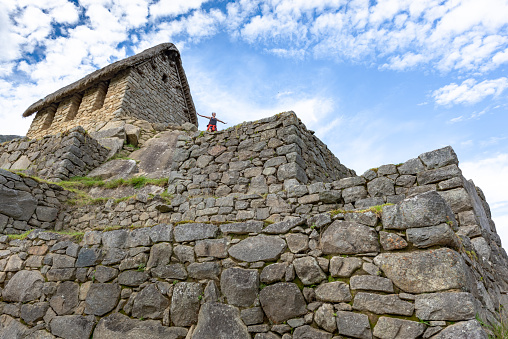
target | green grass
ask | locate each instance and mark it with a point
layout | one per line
(88, 182)
(78, 236)
(19, 236)
(378, 209)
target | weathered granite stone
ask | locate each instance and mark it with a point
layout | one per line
(23, 286)
(391, 241)
(306, 331)
(252, 316)
(325, 318)
(17, 204)
(259, 248)
(115, 239)
(273, 273)
(72, 326)
(353, 194)
(382, 304)
(132, 278)
(344, 267)
(425, 271)
(115, 169)
(184, 253)
(61, 274)
(161, 232)
(393, 328)
(173, 271)
(344, 237)
(412, 166)
(66, 298)
(439, 158)
(335, 291)
(371, 282)
(45, 213)
(458, 199)
(220, 321)
(193, 232)
(31, 313)
(441, 234)
(242, 227)
(205, 270)
(118, 325)
(283, 226)
(212, 248)
(292, 170)
(138, 237)
(113, 256)
(330, 197)
(267, 335)
(354, 325)
(11, 328)
(381, 187)
(463, 330)
(482, 248)
(426, 209)
(160, 254)
(149, 303)
(438, 174)
(240, 286)
(185, 303)
(282, 301)
(308, 270)
(102, 298)
(368, 218)
(451, 306)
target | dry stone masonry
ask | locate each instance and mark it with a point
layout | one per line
(267, 235)
(150, 85)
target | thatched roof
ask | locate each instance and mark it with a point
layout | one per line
(109, 72)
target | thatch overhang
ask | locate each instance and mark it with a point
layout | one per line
(111, 70)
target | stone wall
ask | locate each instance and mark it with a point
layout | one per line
(54, 157)
(26, 203)
(357, 275)
(160, 81)
(89, 111)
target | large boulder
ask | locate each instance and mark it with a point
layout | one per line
(11, 328)
(282, 301)
(115, 169)
(73, 326)
(240, 286)
(66, 298)
(102, 298)
(426, 209)
(19, 205)
(118, 325)
(149, 303)
(345, 237)
(156, 156)
(393, 328)
(220, 321)
(185, 303)
(259, 248)
(24, 286)
(451, 306)
(425, 271)
(464, 330)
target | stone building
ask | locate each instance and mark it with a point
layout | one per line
(149, 86)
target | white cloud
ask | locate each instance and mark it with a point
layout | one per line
(469, 92)
(174, 8)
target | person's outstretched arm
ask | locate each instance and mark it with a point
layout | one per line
(221, 121)
(204, 116)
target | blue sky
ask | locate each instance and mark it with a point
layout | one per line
(379, 81)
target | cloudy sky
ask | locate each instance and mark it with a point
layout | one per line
(379, 81)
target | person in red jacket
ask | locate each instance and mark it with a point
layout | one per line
(212, 125)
